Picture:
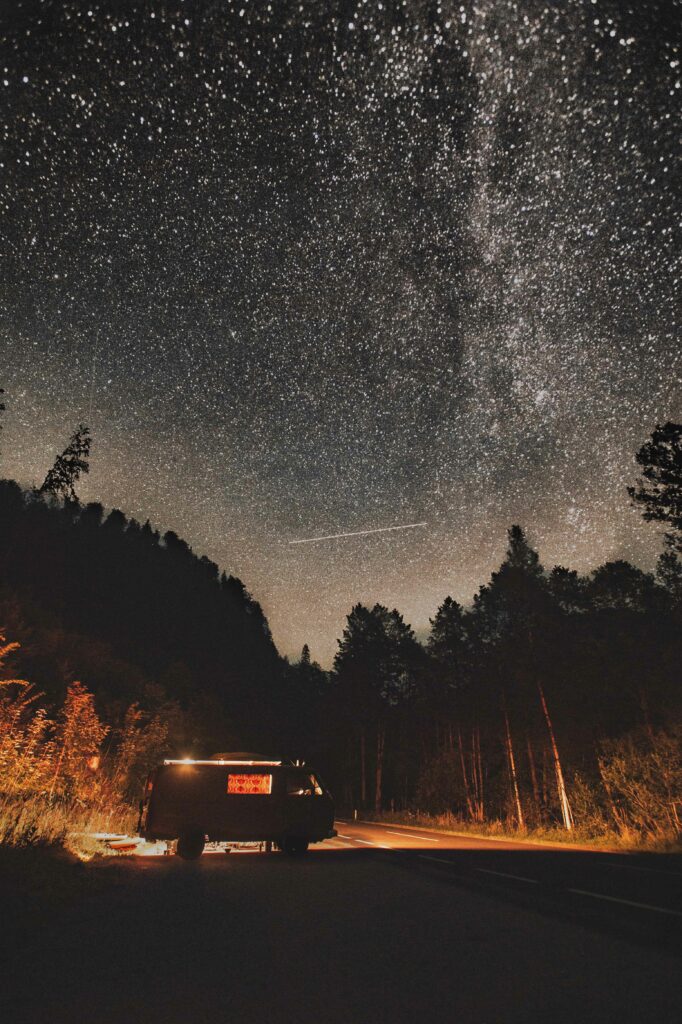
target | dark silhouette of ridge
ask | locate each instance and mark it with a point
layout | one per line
(109, 599)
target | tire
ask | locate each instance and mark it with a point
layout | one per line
(294, 847)
(191, 844)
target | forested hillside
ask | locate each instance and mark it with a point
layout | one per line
(102, 598)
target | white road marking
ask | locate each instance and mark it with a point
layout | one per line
(442, 860)
(342, 836)
(367, 843)
(651, 871)
(628, 903)
(412, 835)
(580, 892)
(505, 874)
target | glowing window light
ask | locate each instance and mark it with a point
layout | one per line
(253, 785)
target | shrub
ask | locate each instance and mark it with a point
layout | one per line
(642, 777)
(55, 780)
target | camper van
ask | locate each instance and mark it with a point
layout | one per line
(236, 798)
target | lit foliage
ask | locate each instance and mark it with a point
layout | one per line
(642, 778)
(77, 739)
(55, 775)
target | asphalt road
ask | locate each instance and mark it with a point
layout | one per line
(635, 895)
(364, 929)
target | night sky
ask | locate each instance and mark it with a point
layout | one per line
(317, 267)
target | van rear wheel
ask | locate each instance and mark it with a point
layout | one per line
(191, 844)
(294, 847)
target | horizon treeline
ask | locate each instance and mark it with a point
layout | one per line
(553, 701)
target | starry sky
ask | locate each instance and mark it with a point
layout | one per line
(317, 267)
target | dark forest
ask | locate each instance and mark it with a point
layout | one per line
(553, 701)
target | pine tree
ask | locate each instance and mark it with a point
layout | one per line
(376, 666)
(520, 555)
(659, 489)
(669, 573)
(68, 466)
(448, 647)
(448, 638)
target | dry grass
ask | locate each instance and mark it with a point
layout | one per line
(608, 839)
(35, 821)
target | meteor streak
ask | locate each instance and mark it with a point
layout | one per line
(358, 533)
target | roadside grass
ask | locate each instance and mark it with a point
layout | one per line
(580, 836)
(34, 821)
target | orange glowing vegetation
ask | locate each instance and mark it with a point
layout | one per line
(251, 784)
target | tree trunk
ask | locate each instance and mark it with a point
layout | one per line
(545, 772)
(474, 776)
(467, 791)
(512, 770)
(561, 785)
(363, 770)
(380, 768)
(477, 771)
(534, 777)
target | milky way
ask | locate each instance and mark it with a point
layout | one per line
(311, 268)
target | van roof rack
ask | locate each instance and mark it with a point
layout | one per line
(222, 761)
(248, 757)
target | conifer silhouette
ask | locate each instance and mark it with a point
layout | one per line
(659, 489)
(68, 466)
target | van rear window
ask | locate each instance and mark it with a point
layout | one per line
(251, 784)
